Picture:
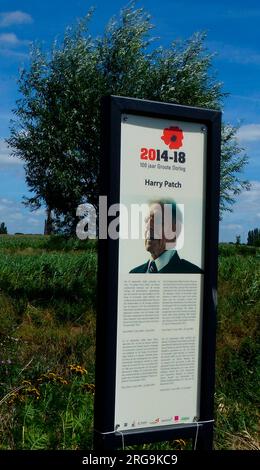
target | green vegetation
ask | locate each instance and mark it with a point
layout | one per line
(253, 237)
(3, 229)
(238, 352)
(47, 336)
(37, 243)
(227, 250)
(57, 119)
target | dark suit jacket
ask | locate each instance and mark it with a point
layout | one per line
(175, 265)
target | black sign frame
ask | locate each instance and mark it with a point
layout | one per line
(105, 437)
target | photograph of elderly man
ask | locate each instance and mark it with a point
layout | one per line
(161, 233)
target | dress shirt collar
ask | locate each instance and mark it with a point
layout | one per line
(162, 260)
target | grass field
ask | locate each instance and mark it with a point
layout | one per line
(47, 336)
(238, 353)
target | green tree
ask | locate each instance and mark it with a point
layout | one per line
(253, 237)
(57, 127)
(233, 160)
(3, 229)
(238, 239)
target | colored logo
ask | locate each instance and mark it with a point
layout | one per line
(155, 421)
(185, 418)
(173, 137)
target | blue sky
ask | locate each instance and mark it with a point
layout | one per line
(232, 32)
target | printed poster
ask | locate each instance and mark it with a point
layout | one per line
(160, 272)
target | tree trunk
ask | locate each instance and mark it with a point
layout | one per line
(48, 222)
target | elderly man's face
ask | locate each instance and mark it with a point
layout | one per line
(157, 227)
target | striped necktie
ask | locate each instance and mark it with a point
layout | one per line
(152, 268)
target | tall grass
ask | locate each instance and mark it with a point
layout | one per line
(49, 276)
(31, 243)
(47, 325)
(47, 336)
(238, 353)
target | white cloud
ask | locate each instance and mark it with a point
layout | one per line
(39, 212)
(18, 218)
(5, 201)
(14, 54)
(245, 215)
(5, 158)
(10, 46)
(33, 221)
(4, 204)
(251, 197)
(249, 132)
(11, 40)
(234, 54)
(14, 17)
(232, 226)
(252, 98)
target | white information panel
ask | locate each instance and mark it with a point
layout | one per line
(160, 279)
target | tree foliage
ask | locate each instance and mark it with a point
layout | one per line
(253, 237)
(3, 229)
(238, 239)
(232, 163)
(57, 127)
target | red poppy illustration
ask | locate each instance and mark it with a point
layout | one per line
(172, 136)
